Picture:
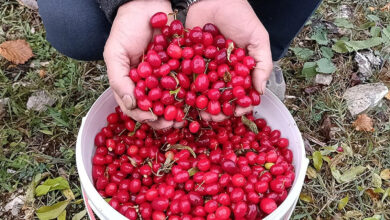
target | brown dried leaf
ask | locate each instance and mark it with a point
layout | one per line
(250, 124)
(16, 51)
(326, 127)
(363, 123)
(371, 9)
(312, 89)
(42, 73)
(373, 195)
(355, 80)
(31, 4)
(227, 77)
(387, 96)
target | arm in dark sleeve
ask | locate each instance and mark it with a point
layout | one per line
(283, 20)
(110, 7)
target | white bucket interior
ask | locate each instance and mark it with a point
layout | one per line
(271, 108)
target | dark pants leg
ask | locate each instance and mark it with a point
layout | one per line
(76, 28)
(283, 20)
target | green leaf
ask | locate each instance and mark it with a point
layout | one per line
(367, 25)
(46, 132)
(309, 69)
(386, 194)
(376, 180)
(317, 160)
(343, 202)
(302, 53)
(364, 44)
(192, 171)
(79, 215)
(62, 216)
(328, 150)
(68, 194)
(373, 18)
(305, 197)
(320, 36)
(42, 190)
(351, 174)
(344, 23)
(325, 65)
(50, 212)
(250, 124)
(336, 174)
(327, 52)
(340, 47)
(174, 92)
(375, 31)
(386, 34)
(58, 183)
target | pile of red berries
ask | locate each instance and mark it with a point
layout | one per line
(197, 68)
(236, 169)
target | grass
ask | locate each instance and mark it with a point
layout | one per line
(32, 143)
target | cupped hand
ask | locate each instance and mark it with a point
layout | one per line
(126, 44)
(236, 20)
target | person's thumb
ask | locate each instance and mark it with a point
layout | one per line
(261, 52)
(118, 67)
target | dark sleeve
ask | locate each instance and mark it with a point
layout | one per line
(110, 7)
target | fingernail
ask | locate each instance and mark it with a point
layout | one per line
(128, 101)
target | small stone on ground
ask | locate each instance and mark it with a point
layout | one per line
(15, 205)
(323, 79)
(362, 97)
(367, 63)
(39, 101)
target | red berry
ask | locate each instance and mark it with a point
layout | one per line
(144, 69)
(170, 112)
(194, 127)
(144, 104)
(201, 102)
(198, 65)
(268, 205)
(201, 83)
(159, 20)
(214, 107)
(174, 51)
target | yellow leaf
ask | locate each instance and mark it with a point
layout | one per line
(385, 174)
(68, 194)
(363, 123)
(62, 216)
(311, 173)
(343, 202)
(317, 160)
(16, 51)
(306, 198)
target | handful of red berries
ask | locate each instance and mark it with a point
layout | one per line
(236, 169)
(192, 68)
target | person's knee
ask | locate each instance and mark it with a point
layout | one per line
(75, 28)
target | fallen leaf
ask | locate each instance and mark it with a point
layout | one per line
(386, 7)
(62, 216)
(317, 160)
(375, 217)
(306, 198)
(363, 123)
(354, 214)
(386, 194)
(355, 79)
(343, 202)
(42, 73)
(385, 174)
(79, 215)
(50, 212)
(373, 195)
(352, 173)
(16, 51)
(371, 9)
(376, 180)
(311, 173)
(387, 96)
(312, 89)
(326, 127)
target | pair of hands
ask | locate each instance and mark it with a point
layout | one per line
(131, 33)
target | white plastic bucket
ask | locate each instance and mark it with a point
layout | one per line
(271, 108)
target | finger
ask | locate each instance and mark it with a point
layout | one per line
(259, 49)
(178, 124)
(136, 114)
(205, 116)
(160, 124)
(218, 118)
(240, 111)
(118, 67)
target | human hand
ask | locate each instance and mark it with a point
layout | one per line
(129, 37)
(236, 20)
